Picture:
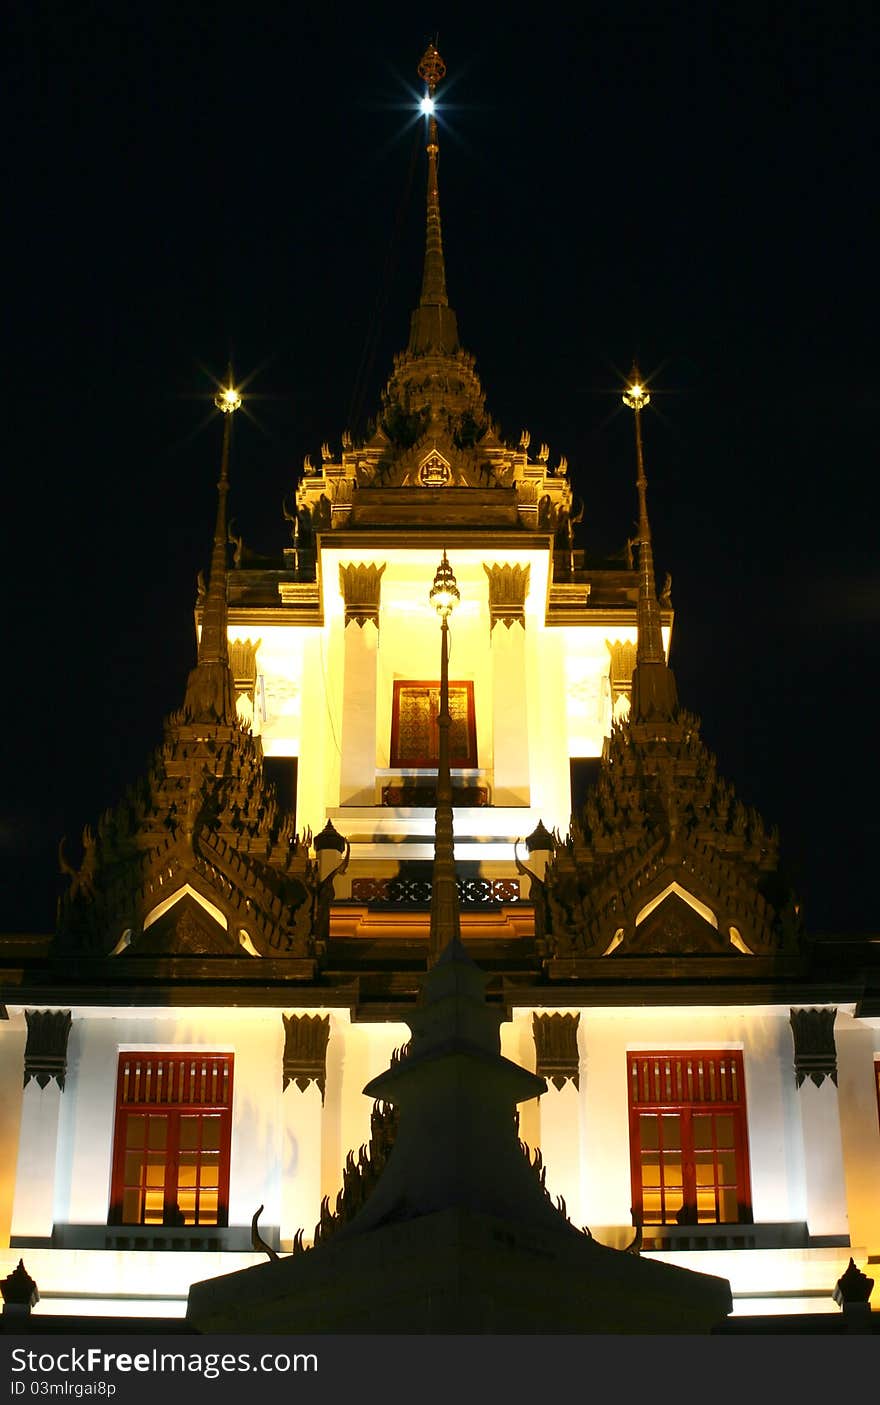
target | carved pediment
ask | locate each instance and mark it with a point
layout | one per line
(186, 929)
(674, 928)
(435, 471)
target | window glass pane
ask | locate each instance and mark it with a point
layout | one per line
(672, 1170)
(208, 1207)
(134, 1162)
(134, 1132)
(704, 1170)
(651, 1206)
(729, 1208)
(209, 1173)
(158, 1133)
(189, 1133)
(727, 1168)
(186, 1170)
(154, 1206)
(649, 1131)
(211, 1132)
(702, 1130)
(651, 1170)
(131, 1207)
(671, 1131)
(155, 1168)
(674, 1202)
(706, 1206)
(724, 1129)
(186, 1201)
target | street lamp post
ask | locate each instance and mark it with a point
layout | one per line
(445, 923)
(650, 640)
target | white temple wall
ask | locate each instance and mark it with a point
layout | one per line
(585, 1144)
(12, 1042)
(858, 1044)
(317, 785)
(548, 728)
(597, 1151)
(85, 1136)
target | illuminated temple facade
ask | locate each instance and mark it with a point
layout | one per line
(237, 950)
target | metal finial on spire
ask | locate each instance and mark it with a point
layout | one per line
(654, 693)
(431, 68)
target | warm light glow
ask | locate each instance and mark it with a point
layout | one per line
(636, 396)
(444, 594)
(427, 105)
(227, 400)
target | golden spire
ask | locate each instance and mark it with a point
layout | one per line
(209, 691)
(433, 325)
(654, 692)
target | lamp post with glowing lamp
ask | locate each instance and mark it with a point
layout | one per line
(445, 923)
(636, 397)
(227, 400)
(650, 639)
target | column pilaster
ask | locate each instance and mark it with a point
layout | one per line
(815, 1067)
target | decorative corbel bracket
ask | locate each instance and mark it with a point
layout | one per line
(45, 1053)
(556, 1048)
(361, 587)
(508, 588)
(815, 1053)
(305, 1051)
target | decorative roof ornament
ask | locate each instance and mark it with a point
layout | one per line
(198, 858)
(433, 430)
(654, 694)
(663, 860)
(433, 323)
(210, 690)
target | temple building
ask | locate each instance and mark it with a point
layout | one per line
(242, 942)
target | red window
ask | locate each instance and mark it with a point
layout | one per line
(171, 1143)
(415, 735)
(688, 1138)
(877, 1077)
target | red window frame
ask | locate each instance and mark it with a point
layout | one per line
(171, 1141)
(462, 733)
(688, 1133)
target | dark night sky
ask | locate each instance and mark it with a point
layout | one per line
(694, 185)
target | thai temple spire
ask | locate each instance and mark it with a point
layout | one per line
(433, 326)
(654, 694)
(210, 692)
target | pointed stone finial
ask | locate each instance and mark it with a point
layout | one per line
(540, 840)
(19, 1291)
(329, 838)
(853, 1286)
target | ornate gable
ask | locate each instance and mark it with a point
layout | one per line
(662, 831)
(674, 927)
(186, 929)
